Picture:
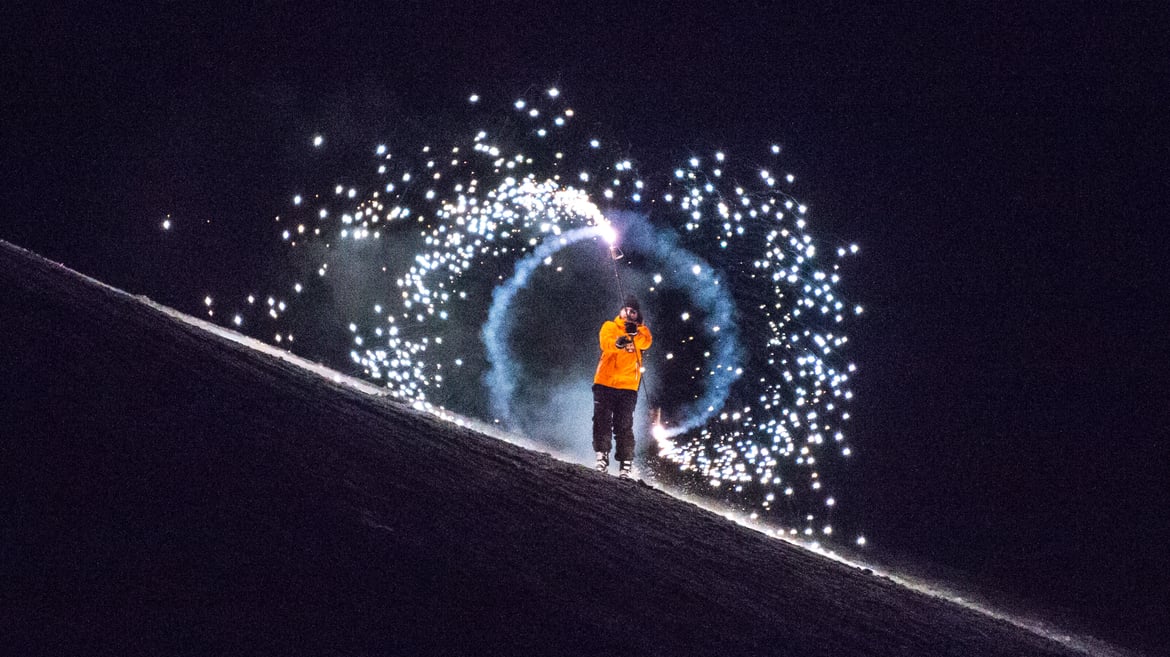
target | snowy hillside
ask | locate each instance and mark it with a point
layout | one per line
(168, 490)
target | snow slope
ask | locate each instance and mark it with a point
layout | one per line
(170, 489)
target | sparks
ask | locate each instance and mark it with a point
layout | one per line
(466, 223)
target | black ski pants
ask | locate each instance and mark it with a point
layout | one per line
(613, 418)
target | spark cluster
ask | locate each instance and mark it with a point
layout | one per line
(752, 388)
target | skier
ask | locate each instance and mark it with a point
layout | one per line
(615, 386)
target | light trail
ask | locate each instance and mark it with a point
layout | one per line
(748, 372)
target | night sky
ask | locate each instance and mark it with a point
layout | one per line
(993, 163)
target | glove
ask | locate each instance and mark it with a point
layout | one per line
(632, 328)
(624, 341)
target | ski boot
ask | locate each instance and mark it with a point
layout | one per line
(602, 462)
(625, 469)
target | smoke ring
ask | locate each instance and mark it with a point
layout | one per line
(701, 281)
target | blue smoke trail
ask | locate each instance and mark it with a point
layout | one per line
(500, 377)
(710, 293)
(704, 285)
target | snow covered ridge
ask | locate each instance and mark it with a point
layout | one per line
(169, 491)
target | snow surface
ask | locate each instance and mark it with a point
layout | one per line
(174, 487)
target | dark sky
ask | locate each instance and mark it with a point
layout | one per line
(994, 162)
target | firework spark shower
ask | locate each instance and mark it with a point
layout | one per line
(493, 257)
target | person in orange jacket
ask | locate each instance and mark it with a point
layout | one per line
(615, 386)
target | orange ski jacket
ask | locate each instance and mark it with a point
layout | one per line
(619, 368)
